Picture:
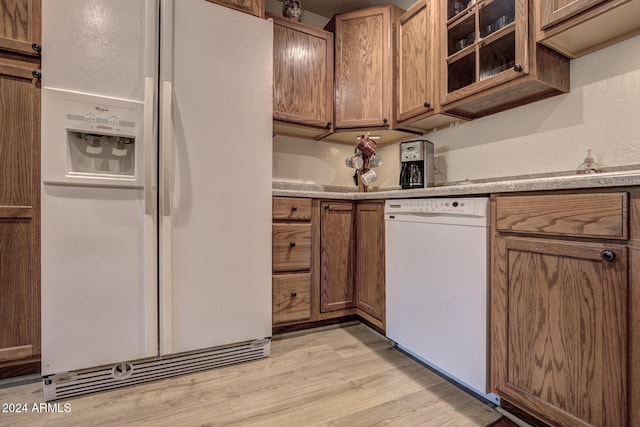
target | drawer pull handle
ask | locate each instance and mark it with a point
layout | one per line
(607, 256)
(292, 244)
(294, 294)
(294, 208)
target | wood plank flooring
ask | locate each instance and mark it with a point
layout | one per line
(342, 376)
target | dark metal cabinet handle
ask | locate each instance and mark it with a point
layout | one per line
(36, 47)
(294, 208)
(427, 105)
(328, 125)
(292, 244)
(607, 256)
(327, 207)
(517, 68)
(385, 120)
(36, 74)
(294, 294)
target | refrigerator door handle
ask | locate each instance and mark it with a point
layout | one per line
(165, 148)
(149, 146)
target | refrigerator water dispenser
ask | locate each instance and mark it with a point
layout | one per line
(91, 140)
(96, 154)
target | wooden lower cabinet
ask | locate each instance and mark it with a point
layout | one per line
(335, 272)
(291, 297)
(291, 247)
(19, 218)
(560, 313)
(291, 260)
(336, 256)
(370, 267)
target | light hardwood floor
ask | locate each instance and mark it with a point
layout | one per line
(344, 376)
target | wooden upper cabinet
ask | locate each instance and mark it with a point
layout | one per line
(577, 27)
(336, 256)
(303, 79)
(416, 79)
(553, 12)
(490, 59)
(364, 71)
(417, 69)
(252, 7)
(20, 22)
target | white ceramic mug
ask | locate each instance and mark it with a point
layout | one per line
(354, 161)
(375, 161)
(368, 177)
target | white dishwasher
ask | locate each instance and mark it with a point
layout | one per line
(437, 276)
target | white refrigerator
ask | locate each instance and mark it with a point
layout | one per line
(156, 190)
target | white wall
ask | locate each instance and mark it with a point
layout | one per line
(317, 162)
(601, 112)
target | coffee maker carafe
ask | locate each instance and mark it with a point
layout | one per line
(416, 164)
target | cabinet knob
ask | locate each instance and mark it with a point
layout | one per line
(294, 294)
(328, 125)
(292, 244)
(427, 105)
(36, 47)
(327, 207)
(385, 120)
(517, 68)
(294, 208)
(36, 74)
(607, 256)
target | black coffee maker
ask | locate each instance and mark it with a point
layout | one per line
(416, 164)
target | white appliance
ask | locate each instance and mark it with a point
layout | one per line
(437, 269)
(156, 190)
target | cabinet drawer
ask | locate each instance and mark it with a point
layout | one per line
(291, 208)
(291, 247)
(291, 297)
(601, 215)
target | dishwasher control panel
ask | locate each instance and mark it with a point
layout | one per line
(467, 206)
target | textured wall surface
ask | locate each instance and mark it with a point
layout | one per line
(601, 112)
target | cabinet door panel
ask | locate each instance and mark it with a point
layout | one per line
(370, 283)
(303, 74)
(336, 256)
(19, 214)
(415, 62)
(17, 311)
(562, 337)
(555, 11)
(363, 69)
(20, 25)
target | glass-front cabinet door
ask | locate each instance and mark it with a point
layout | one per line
(485, 42)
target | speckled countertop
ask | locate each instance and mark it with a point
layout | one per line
(529, 183)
